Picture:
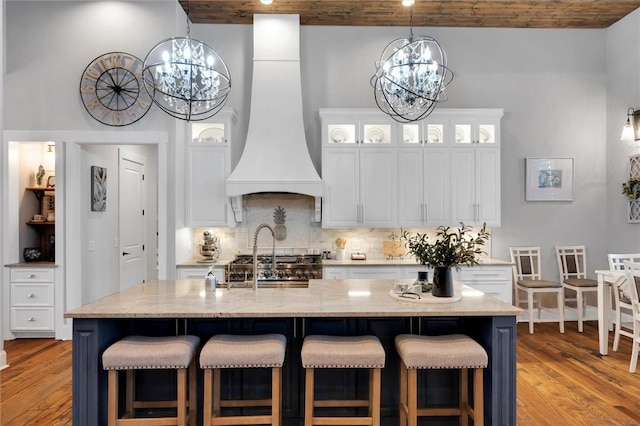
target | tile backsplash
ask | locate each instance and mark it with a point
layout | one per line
(302, 235)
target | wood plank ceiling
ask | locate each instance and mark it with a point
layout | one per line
(431, 13)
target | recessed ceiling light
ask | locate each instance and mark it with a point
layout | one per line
(408, 2)
(266, 1)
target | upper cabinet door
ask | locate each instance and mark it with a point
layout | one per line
(476, 131)
(208, 165)
(354, 127)
(431, 132)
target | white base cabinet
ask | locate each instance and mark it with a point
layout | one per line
(199, 272)
(495, 280)
(32, 302)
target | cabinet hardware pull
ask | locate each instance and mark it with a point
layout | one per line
(124, 253)
(31, 319)
(31, 295)
(31, 276)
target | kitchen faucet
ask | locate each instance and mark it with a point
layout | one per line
(255, 253)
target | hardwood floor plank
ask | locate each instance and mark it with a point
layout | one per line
(562, 379)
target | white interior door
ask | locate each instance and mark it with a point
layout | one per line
(131, 220)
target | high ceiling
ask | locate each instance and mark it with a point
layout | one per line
(431, 13)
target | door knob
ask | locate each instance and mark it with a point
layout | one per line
(124, 253)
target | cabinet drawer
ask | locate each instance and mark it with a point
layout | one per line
(31, 295)
(32, 275)
(484, 274)
(32, 319)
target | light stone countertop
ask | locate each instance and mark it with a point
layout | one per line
(407, 261)
(323, 298)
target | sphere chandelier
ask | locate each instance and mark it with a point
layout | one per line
(190, 81)
(411, 77)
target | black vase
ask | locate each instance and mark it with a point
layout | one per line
(442, 282)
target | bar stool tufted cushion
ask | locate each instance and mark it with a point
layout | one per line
(146, 352)
(319, 351)
(237, 351)
(449, 351)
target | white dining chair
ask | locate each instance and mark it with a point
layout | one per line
(572, 267)
(622, 303)
(632, 271)
(528, 279)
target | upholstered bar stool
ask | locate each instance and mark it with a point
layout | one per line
(455, 351)
(238, 351)
(152, 353)
(319, 351)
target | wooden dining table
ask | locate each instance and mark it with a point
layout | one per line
(606, 279)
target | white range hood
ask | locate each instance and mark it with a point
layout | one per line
(275, 156)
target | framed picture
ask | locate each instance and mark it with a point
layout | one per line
(98, 189)
(549, 179)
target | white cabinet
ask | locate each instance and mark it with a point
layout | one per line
(335, 273)
(199, 272)
(477, 127)
(495, 280)
(359, 169)
(475, 186)
(208, 166)
(424, 194)
(360, 272)
(32, 302)
(442, 170)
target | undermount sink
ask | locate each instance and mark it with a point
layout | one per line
(264, 284)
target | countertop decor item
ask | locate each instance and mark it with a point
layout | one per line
(450, 248)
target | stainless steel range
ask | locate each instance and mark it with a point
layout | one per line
(290, 270)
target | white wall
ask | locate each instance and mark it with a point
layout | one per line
(3, 153)
(623, 92)
(551, 84)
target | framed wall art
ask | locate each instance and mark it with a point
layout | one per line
(98, 189)
(549, 179)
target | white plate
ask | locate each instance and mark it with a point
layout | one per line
(211, 134)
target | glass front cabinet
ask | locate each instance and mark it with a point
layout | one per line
(441, 170)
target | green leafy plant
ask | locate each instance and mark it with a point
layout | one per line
(631, 188)
(450, 248)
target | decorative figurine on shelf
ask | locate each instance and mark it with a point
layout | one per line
(209, 248)
(40, 175)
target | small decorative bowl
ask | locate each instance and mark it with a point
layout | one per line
(32, 254)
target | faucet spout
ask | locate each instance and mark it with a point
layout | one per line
(255, 253)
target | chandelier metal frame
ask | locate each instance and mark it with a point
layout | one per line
(189, 80)
(411, 77)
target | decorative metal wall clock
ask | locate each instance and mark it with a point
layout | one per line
(112, 89)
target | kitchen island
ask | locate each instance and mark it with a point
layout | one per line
(344, 307)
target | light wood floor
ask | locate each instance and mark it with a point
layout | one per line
(562, 380)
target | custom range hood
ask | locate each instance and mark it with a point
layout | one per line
(275, 156)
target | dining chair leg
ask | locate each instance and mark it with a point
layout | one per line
(634, 354)
(530, 306)
(561, 311)
(580, 308)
